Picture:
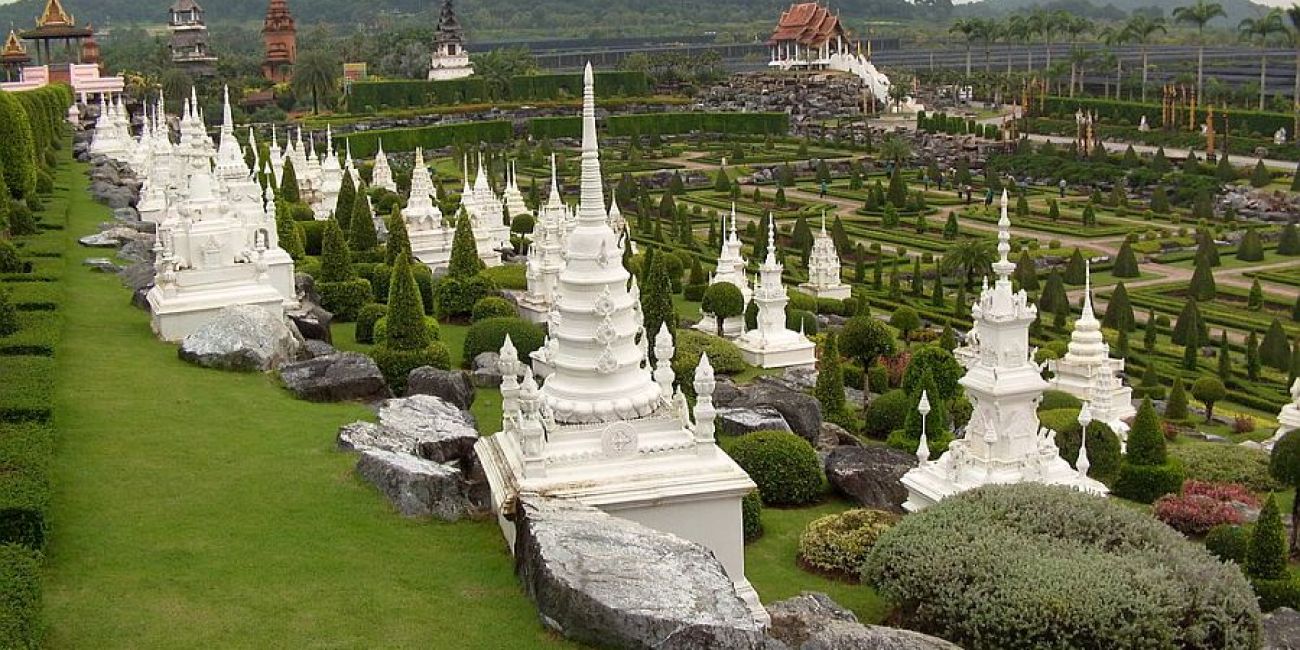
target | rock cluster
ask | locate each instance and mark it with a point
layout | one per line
(243, 338)
(812, 621)
(336, 377)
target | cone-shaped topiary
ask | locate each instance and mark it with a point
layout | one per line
(1176, 405)
(829, 390)
(1251, 248)
(289, 190)
(336, 257)
(1026, 272)
(8, 314)
(1146, 443)
(1189, 324)
(407, 328)
(1146, 472)
(1289, 241)
(287, 231)
(464, 260)
(1275, 349)
(361, 229)
(1160, 200)
(1126, 264)
(1203, 286)
(399, 240)
(344, 206)
(1119, 313)
(1266, 553)
(657, 306)
(1259, 176)
(1075, 269)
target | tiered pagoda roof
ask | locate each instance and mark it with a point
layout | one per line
(56, 22)
(278, 18)
(14, 52)
(449, 29)
(807, 23)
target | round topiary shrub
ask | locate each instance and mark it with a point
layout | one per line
(398, 364)
(784, 466)
(1032, 566)
(838, 544)
(345, 299)
(492, 307)
(1228, 543)
(488, 336)
(751, 516)
(455, 297)
(886, 414)
(366, 319)
(724, 356)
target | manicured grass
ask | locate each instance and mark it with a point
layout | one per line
(771, 563)
(196, 508)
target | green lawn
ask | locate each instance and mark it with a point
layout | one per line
(195, 508)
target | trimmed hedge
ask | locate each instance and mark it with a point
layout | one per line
(25, 392)
(25, 450)
(785, 467)
(377, 95)
(20, 596)
(1032, 566)
(488, 336)
(345, 299)
(398, 364)
(751, 516)
(1109, 110)
(686, 122)
(366, 143)
(1226, 464)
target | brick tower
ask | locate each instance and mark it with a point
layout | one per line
(281, 39)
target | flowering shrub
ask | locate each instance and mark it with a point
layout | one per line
(1030, 566)
(1227, 492)
(1195, 514)
(839, 543)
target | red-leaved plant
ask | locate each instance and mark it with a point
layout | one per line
(1202, 506)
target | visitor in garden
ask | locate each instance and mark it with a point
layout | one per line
(1061, 187)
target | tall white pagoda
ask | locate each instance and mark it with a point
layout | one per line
(546, 254)
(771, 344)
(603, 429)
(382, 175)
(824, 270)
(733, 269)
(1004, 442)
(1088, 372)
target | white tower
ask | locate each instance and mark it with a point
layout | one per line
(1004, 441)
(733, 269)
(771, 344)
(824, 271)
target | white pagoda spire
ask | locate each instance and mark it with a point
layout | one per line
(824, 268)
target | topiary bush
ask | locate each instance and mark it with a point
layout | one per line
(396, 364)
(345, 299)
(724, 356)
(1213, 463)
(785, 467)
(838, 544)
(751, 516)
(455, 297)
(1103, 448)
(10, 260)
(886, 414)
(380, 331)
(488, 336)
(492, 307)
(1147, 472)
(1033, 566)
(1059, 399)
(20, 596)
(366, 318)
(1228, 543)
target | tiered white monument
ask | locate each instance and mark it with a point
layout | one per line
(1004, 442)
(603, 430)
(487, 212)
(546, 254)
(514, 199)
(1288, 419)
(382, 174)
(824, 271)
(1088, 372)
(772, 344)
(428, 231)
(733, 269)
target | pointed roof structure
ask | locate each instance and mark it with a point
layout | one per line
(449, 29)
(14, 52)
(55, 23)
(55, 15)
(807, 23)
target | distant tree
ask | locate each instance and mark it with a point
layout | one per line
(1075, 269)
(905, 320)
(286, 230)
(288, 189)
(657, 308)
(316, 73)
(1209, 390)
(1126, 264)
(1255, 299)
(1053, 295)
(1159, 200)
(1260, 176)
(399, 240)
(464, 261)
(343, 207)
(724, 300)
(336, 257)
(1289, 242)
(1189, 323)
(1252, 356)
(1266, 553)
(866, 339)
(1203, 286)
(1225, 358)
(1026, 272)
(830, 380)
(1176, 404)
(361, 230)
(1275, 349)
(1251, 248)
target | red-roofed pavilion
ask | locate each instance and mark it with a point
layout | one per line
(807, 35)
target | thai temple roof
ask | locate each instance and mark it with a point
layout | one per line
(278, 17)
(808, 23)
(186, 5)
(55, 22)
(14, 49)
(449, 28)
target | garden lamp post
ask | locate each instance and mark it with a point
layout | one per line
(1085, 418)
(923, 449)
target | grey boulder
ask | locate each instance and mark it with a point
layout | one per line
(487, 372)
(415, 486)
(812, 621)
(423, 425)
(612, 582)
(739, 421)
(243, 337)
(1282, 629)
(454, 386)
(337, 377)
(870, 475)
(311, 348)
(802, 411)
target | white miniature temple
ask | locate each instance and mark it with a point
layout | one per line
(603, 430)
(1288, 419)
(771, 344)
(431, 233)
(1088, 372)
(733, 269)
(824, 270)
(1004, 442)
(382, 175)
(546, 254)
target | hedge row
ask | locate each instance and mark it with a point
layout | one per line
(666, 124)
(1132, 112)
(366, 143)
(375, 95)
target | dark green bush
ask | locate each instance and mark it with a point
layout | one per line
(10, 261)
(1228, 543)
(1057, 399)
(397, 364)
(378, 275)
(1280, 592)
(751, 516)
(21, 220)
(724, 356)
(455, 297)
(1103, 449)
(694, 292)
(25, 451)
(799, 320)
(492, 307)
(1146, 483)
(345, 299)
(886, 414)
(1226, 464)
(839, 543)
(785, 467)
(488, 336)
(1031, 566)
(20, 597)
(366, 318)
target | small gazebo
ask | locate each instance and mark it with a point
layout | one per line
(56, 24)
(14, 56)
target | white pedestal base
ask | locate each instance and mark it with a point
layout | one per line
(837, 292)
(932, 482)
(731, 327)
(784, 356)
(174, 317)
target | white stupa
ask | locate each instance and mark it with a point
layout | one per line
(514, 199)
(824, 271)
(771, 344)
(545, 255)
(604, 430)
(1088, 372)
(1004, 442)
(382, 174)
(733, 269)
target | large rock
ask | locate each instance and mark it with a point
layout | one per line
(612, 582)
(451, 385)
(812, 621)
(870, 475)
(487, 370)
(424, 425)
(416, 487)
(1282, 629)
(242, 337)
(739, 421)
(802, 411)
(312, 321)
(338, 377)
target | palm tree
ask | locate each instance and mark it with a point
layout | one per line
(968, 28)
(1262, 29)
(1031, 27)
(1076, 27)
(1078, 58)
(1053, 23)
(1199, 15)
(987, 31)
(1115, 37)
(1142, 29)
(316, 73)
(1293, 20)
(894, 149)
(970, 257)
